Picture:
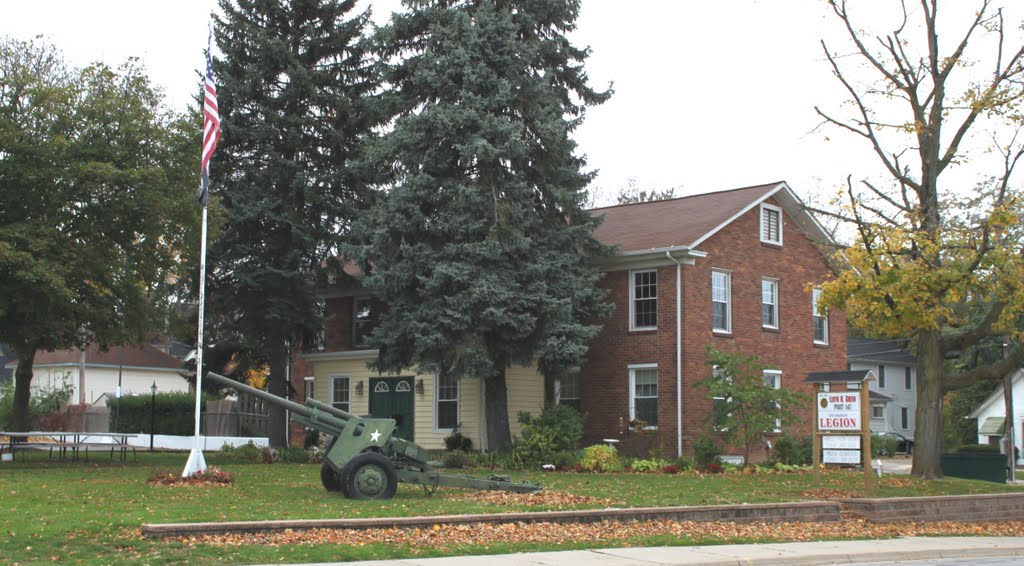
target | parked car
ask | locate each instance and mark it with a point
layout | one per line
(901, 444)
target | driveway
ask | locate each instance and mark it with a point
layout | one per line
(896, 464)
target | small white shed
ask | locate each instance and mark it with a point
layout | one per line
(991, 415)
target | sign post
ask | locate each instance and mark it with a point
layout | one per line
(842, 434)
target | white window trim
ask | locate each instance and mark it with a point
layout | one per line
(777, 385)
(760, 234)
(312, 389)
(437, 399)
(558, 390)
(776, 304)
(815, 297)
(632, 390)
(632, 298)
(333, 378)
(728, 301)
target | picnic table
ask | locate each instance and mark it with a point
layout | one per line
(67, 443)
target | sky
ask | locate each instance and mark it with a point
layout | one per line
(707, 95)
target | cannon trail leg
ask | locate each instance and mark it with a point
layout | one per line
(369, 476)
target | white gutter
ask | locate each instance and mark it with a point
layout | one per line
(679, 356)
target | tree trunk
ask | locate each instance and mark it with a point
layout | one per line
(499, 437)
(277, 384)
(22, 387)
(928, 419)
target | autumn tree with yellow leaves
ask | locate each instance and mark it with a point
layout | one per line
(934, 258)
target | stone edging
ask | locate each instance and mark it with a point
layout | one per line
(981, 507)
(802, 511)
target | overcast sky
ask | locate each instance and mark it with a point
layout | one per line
(708, 95)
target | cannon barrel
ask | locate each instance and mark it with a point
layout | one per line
(292, 406)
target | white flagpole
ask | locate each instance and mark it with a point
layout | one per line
(196, 462)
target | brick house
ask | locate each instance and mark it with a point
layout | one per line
(731, 269)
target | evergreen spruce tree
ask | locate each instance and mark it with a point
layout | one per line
(481, 249)
(293, 84)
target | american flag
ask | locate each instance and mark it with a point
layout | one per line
(211, 122)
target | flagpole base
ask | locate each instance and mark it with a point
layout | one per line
(196, 463)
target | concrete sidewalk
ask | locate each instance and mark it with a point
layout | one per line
(795, 553)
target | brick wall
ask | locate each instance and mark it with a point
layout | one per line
(737, 249)
(988, 507)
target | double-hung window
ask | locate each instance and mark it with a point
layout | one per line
(771, 224)
(362, 321)
(340, 392)
(643, 304)
(820, 318)
(643, 394)
(881, 377)
(770, 303)
(721, 291)
(309, 381)
(908, 380)
(720, 410)
(567, 390)
(773, 380)
(447, 401)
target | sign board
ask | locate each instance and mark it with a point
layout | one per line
(841, 442)
(839, 411)
(840, 456)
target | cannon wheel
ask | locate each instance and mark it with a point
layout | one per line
(369, 476)
(330, 478)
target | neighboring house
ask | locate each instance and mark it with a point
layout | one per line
(136, 368)
(991, 415)
(894, 393)
(731, 269)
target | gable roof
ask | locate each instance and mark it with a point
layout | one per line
(688, 221)
(143, 356)
(997, 395)
(878, 351)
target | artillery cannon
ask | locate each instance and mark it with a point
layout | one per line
(365, 460)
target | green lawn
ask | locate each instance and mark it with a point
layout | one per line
(90, 511)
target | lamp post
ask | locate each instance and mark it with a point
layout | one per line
(152, 416)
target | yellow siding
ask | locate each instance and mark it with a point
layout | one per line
(525, 393)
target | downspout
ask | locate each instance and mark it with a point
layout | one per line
(679, 356)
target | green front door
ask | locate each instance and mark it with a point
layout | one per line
(391, 398)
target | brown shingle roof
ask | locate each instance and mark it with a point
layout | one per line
(676, 222)
(133, 356)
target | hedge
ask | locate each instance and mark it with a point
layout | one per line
(175, 413)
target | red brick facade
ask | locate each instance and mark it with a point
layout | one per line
(736, 248)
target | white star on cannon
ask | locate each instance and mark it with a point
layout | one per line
(375, 435)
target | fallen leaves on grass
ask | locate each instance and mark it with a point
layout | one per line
(449, 536)
(827, 494)
(547, 498)
(210, 476)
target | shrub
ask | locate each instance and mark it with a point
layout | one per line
(456, 441)
(684, 463)
(311, 439)
(454, 459)
(882, 446)
(706, 452)
(979, 448)
(558, 429)
(246, 453)
(715, 468)
(792, 451)
(175, 413)
(43, 403)
(293, 455)
(670, 469)
(565, 459)
(647, 465)
(601, 458)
